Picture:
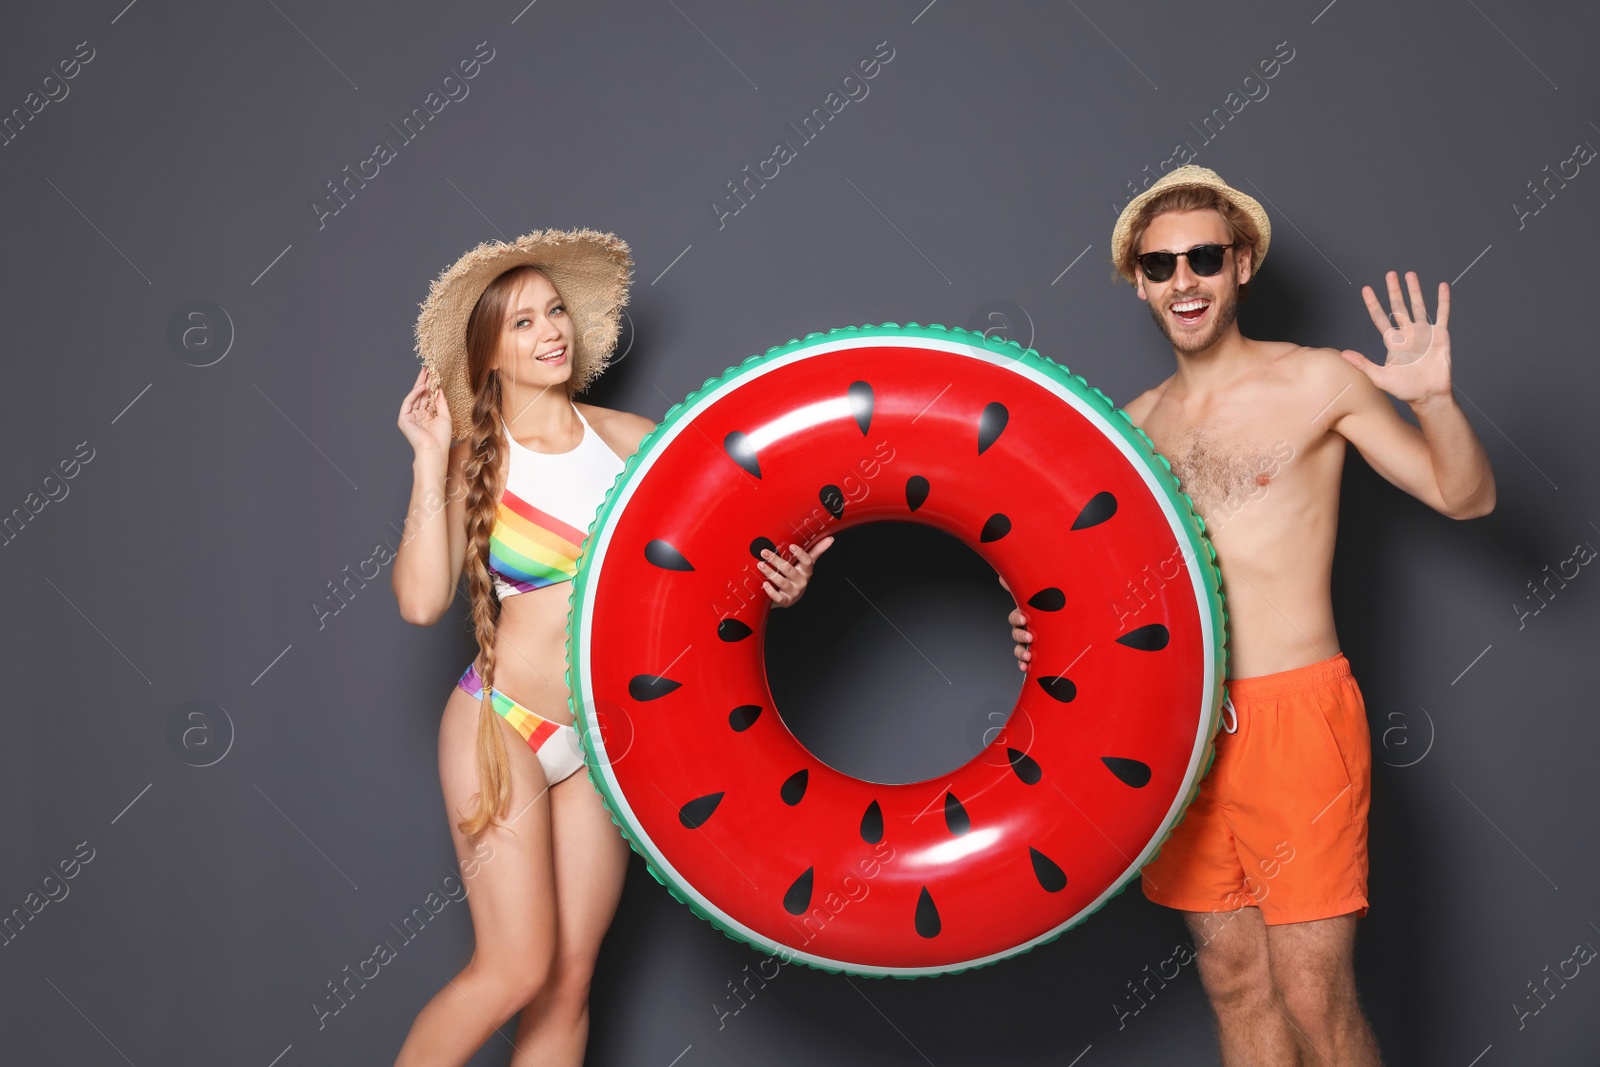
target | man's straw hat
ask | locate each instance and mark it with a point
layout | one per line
(590, 269)
(1190, 175)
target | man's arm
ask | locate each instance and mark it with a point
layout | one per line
(1442, 464)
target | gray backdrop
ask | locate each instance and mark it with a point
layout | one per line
(244, 786)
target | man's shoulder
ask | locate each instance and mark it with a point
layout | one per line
(1313, 366)
(1139, 407)
(1321, 380)
(1302, 359)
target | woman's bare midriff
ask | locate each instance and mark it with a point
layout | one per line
(530, 651)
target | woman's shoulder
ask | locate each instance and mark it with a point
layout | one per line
(623, 430)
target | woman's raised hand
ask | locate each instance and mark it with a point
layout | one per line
(425, 416)
(786, 582)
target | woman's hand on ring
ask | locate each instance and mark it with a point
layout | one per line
(786, 582)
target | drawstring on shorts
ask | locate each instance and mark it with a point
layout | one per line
(1229, 712)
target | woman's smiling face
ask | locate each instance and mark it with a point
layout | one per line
(537, 335)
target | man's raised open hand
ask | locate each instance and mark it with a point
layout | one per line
(1417, 363)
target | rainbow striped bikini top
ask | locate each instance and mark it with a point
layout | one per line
(546, 508)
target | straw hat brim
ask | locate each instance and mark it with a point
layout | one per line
(1189, 175)
(590, 269)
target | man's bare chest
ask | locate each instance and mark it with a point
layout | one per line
(1222, 468)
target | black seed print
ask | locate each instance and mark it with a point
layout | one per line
(1099, 508)
(955, 816)
(1131, 771)
(1051, 599)
(798, 898)
(744, 716)
(832, 498)
(650, 686)
(927, 920)
(1052, 879)
(663, 555)
(741, 451)
(872, 824)
(694, 814)
(794, 787)
(1025, 766)
(1061, 689)
(916, 491)
(997, 527)
(860, 397)
(1152, 638)
(731, 630)
(991, 424)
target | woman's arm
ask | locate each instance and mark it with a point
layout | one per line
(432, 551)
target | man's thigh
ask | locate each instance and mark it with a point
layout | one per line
(1318, 954)
(1237, 938)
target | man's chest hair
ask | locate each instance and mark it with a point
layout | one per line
(1220, 470)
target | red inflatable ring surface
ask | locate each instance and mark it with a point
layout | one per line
(1041, 475)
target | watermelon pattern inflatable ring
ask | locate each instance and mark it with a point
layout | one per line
(1041, 475)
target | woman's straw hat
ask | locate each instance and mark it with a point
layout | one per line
(1190, 175)
(590, 269)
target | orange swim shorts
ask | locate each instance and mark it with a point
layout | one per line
(1280, 822)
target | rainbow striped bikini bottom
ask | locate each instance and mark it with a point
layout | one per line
(556, 744)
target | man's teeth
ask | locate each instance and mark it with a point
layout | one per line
(1191, 305)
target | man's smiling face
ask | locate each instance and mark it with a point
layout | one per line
(1193, 311)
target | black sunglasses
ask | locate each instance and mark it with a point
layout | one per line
(1204, 260)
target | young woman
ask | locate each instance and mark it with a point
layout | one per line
(507, 336)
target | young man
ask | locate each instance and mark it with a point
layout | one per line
(1269, 864)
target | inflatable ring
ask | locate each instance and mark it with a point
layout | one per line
(1041, 475)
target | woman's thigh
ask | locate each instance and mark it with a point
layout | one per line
(511, 894)
(591, 862)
